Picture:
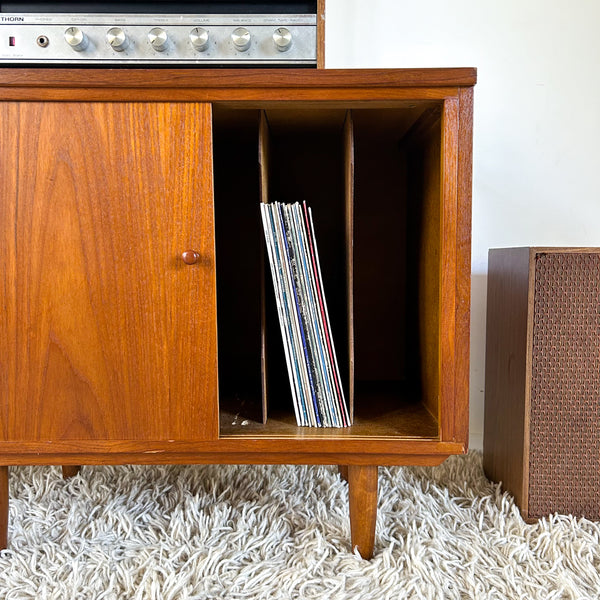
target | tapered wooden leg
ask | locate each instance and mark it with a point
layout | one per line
(70, 471)
(362, 493)
(3, 507)
(343, 471)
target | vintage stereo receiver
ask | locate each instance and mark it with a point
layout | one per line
(216, 33)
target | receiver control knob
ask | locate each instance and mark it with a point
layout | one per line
(199, 38)
(282, 38)
(241, 39)
(117, 39)
(158, 38)
(76, 39)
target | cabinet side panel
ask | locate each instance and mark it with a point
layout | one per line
(449, 215)
(8, 208)
(320, 34)
(463, 265)
(506, 368)
(116, 336)
(429, 259)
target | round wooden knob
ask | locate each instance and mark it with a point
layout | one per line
(190, 257)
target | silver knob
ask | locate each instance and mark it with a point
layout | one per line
(117, 39)
(241, 39)
(199, 38)
(282, 38)
(76, 39)
(158, 39)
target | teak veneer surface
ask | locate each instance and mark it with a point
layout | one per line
(237, 78)
(507, 369)
(362, 500)
(109, 258)
(106, 334)
(85, 178)
(320, 34)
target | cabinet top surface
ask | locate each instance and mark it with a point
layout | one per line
(235, 78)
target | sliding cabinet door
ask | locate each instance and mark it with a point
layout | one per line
(108, 325)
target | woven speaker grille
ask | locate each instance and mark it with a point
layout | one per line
(564, 459)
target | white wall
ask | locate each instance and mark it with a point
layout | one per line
(537, 116)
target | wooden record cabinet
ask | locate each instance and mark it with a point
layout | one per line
(138, 322)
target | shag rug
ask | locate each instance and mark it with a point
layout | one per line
(279, 532)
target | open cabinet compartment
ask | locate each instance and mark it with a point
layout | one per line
(372, 177)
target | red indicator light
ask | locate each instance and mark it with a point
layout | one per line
(11, 41)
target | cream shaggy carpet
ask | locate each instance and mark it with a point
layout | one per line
(282, 532)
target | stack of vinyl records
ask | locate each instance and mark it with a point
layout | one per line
(309, 350)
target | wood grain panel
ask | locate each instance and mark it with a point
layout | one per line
(506, 369)
(226, 458)
(362, 500)
(320, 34)
(463, 266)
(9, 165)
(429, 267)
(115, 335)
(173, 79)
(323, 442)
(231, 451)
(227, 95)
(263, 156)
(449, 191)
(263, 162)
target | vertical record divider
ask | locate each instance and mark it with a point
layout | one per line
(263, 162)
(349, 240)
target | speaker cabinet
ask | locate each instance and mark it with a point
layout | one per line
(542, 379)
